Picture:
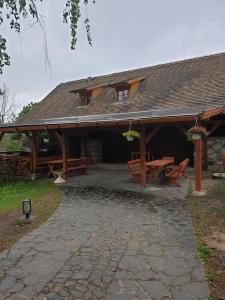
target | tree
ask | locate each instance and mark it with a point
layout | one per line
(26, 109)
(17, 141)
(7, 105)
(13, 10)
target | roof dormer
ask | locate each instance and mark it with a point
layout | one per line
(87, 95)
(126, 89)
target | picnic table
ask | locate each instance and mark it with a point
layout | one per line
(72, 164)
(21, 165)
(156, 167)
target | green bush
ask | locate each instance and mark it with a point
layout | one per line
(11, 144)
(204, 252)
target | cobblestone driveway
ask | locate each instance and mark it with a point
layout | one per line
(103, 244)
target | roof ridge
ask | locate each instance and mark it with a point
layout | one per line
(148, 67)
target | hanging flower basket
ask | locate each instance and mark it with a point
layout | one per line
(131, 135)
(45, 139)
(196, 133)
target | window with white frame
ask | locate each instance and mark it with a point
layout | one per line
(122, 94)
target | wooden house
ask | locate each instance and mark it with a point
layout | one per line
(162, 102)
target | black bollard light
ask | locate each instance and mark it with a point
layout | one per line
(27, 208)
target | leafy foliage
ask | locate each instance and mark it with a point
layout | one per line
(131, 133)
(13, 143)
(196, 130)
(204, 252)
(13, 10)
(17, 141)
(27, 109)
(4, 57)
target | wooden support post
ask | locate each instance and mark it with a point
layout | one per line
(143, 157)
(64, 156)
(34, 152)
(205, 153)
(61, 140)
(198, 165)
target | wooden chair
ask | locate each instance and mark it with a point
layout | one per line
(172, 158)
(177, 171)
(184, 164)
(134, 167)
(223, 157)
(174, 175)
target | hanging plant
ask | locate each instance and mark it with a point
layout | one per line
(44, 136)
(45, 139)
(131, 135)
(196, 132)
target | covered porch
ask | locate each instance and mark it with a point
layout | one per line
(162, 133)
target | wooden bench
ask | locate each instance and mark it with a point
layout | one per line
(80, 164)
(82, 167)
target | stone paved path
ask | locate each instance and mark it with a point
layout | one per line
(113, 245)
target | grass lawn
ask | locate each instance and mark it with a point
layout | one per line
(45, 196)
(208, 216)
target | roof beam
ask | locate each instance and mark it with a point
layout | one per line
(152, 134)
(210, 113)
(213, 128)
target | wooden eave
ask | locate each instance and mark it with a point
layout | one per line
(211, 113)
(157, 120)
(88, 89)
(119, 84)
(136, 80)
(82, 90)
(125, 82)
(114, 122)
(97, 86)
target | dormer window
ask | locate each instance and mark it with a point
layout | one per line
(122, 94)
(125, 89)
(88, 94)
(122, 90)
(85, 98)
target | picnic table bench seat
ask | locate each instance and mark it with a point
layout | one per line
(81, 167)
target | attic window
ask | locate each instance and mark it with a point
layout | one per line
(123, 90)
(122, 94)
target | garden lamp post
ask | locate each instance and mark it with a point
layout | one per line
(27, 208)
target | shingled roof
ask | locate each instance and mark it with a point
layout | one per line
(198, 82)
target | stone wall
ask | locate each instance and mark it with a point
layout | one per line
(215, 147)
(94, 149)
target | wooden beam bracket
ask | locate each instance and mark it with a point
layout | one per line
(152, 134)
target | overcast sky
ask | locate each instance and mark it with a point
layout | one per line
(126, 34)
